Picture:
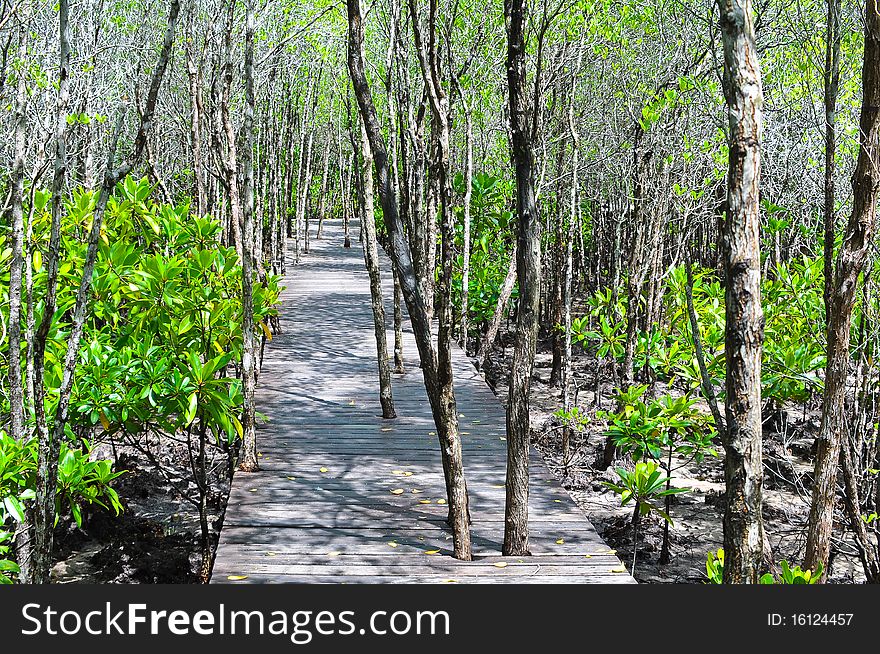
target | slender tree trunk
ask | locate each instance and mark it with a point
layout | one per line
(248, 458)
(442, 409)
(47, 466)
(230, 161)
(705, 380)
(307, 187)
(399, 367)
(850, 263)
(831, 84)
(528, 270)
(743, 523)
(371, 260)
(16, 387)
(195, 94)
(466, 228)
(322, 201)
(573, 224)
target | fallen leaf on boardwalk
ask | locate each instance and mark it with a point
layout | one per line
(324, 470)
(611, 552)
(432, 433)
(497, 485)
(461, 415)
(475, 422)
(407, 474)
(424, 501)
(560, 541)
(236, 577)
(352, 403)
(432, 551)
(450, 581)
(465, 433)
(397, 472)
(292, 478)
(441, 501)
(252, 490)
(271, 554)
(397, 491)
(333, 553)
(386, 428)
(416, 491)
(618, 570)
(500, 564)
(392, 544)
(557, 501)
(502, 438)
(588, 556)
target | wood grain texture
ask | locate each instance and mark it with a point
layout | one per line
(291, 522)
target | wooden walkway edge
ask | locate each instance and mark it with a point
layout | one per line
(344, 496)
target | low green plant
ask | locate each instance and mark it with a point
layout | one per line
(644, 485)
(658, 431)
(793, 575)
(82, 483)
(715, 566)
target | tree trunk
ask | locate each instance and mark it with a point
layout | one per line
(16, 387)
(248, 460)
(398, 327)
(322, 201)
(442, 408)
(371, 260)
(743, 523)
(528, 270)
(831, 85)
(44, 516)
(849, 265)
(466, 228)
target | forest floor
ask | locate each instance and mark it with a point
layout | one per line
(156, 538)
(697, 515)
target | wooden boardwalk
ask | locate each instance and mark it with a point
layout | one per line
(347, 497)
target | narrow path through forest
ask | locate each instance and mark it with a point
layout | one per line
(344, 496)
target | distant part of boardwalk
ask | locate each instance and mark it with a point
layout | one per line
(347, 497)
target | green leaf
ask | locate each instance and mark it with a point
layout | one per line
(14, 507)
(191, 408)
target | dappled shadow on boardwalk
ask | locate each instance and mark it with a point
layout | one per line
(346, 496)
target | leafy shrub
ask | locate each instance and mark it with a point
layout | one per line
(643, 485)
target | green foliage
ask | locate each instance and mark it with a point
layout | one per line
(715, 566)
(656, 429)
(789, 574)
(793, 575)
(644, 485)
(575, 418)
(162, 334)
(491, 244)
(165, 315)
(608, 337)
(81, 483)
